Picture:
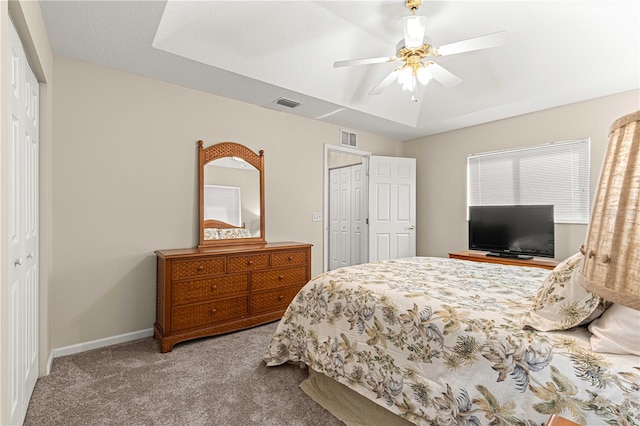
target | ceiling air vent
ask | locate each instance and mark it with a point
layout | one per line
(287, 102)
(347, 138)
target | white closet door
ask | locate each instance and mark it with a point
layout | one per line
(334, 218)
(348, 230)
(358, 215)
(344, 214)
(30, 162)
(392, 208)
(22, 230)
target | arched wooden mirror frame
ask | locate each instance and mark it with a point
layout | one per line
(221, 150)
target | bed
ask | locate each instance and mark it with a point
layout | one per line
(219, 230)
(449, 342)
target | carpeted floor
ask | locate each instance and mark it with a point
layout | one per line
(213, 381)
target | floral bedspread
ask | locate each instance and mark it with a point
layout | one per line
(440, 342)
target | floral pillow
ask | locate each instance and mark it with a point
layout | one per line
(233, 233)
(561, 303)
(211, 234)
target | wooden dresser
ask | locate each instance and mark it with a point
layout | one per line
(208, 291)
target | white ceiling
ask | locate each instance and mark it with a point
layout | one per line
(558, 52)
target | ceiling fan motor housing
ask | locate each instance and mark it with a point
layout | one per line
(427, 49)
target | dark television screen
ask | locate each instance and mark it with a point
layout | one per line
(512, 230)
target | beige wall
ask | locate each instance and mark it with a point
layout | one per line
(441, 165)
(29, 22)
(125, 185)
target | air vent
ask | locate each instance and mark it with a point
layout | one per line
(287, 102)
(347, 138)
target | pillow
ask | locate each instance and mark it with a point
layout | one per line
(617, 331)
(211, 234)
(233, 233)
(561, 303)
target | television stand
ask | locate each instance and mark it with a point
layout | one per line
(510, 255)
(481, 256)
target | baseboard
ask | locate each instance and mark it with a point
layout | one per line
(49, 363)
(100, 343)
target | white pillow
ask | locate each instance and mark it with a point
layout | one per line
(617, 331)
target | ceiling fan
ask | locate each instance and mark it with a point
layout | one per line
(414, 51)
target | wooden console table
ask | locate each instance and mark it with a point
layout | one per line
(481, 256)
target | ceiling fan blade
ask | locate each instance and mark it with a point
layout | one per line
(366, 61)
(443, 76)
(393, 76)
(483, 42)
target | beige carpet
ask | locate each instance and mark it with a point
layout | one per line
(214, 381)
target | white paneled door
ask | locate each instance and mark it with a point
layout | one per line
(347, 216)
(359, 213)
(392, 208)
(339, 212)
(23, 94)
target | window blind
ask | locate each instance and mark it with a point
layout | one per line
(557, 173)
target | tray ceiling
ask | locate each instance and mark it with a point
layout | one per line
(558, 52)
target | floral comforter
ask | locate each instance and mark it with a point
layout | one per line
(440, 342)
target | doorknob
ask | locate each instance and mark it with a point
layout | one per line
(18, 262)
(412, 227)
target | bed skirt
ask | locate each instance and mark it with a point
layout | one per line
(347, 405)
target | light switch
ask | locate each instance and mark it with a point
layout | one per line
(316, 217)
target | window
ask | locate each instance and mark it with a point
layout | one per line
(555, 173)
(227, 206)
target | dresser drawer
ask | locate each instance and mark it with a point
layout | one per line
(297, 257)
(273, 300)
(278, 278)
(197, 267)
(208, 313)
(248, 262)
(201, 290)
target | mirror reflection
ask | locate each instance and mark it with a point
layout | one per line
(231, 199)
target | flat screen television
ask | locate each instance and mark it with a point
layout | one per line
(512, 231)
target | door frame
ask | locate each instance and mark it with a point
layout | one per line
(325, 214)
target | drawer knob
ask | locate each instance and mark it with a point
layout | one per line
(213, 311)
(280, 298)
(249, 263)
(290, 258)
(214, 287)
(200, 268)
(280, 278)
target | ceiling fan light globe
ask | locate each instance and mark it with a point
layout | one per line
(409, 84)
(404, 77)
(414, 30)
(424, 76)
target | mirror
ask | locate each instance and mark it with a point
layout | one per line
(231, 186)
